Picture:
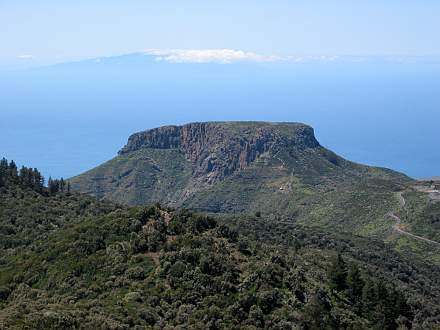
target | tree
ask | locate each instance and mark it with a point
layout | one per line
(62, 185)
(391, 305)
(3, 172)
(337, 274)
(355, 284)
(369, 298)
(22, 176)
(38, 181)
(317, 312)
(4, 164)
(54, 186)
(13, 171)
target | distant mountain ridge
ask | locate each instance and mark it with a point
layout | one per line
(242, 167)
(434, 178)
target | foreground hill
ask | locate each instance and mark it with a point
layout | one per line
(244, 167)
(69, 261)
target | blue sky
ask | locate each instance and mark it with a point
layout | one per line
(48, 31)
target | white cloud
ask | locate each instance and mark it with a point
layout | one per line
(224, 56)
(25, 56)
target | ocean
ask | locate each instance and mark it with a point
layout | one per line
(68, 118)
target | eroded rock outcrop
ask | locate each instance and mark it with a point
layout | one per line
(219, 149)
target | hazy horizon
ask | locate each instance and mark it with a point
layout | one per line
(379, 113)
(47, 31)
(77, 78)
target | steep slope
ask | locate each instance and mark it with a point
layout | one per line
(95, 265)
(230, 167)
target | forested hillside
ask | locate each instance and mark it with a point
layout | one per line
(69, 261)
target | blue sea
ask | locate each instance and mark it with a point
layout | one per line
(68, 118)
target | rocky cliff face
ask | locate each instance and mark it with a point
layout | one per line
(233, 167)
(219, 149)
(166, 137)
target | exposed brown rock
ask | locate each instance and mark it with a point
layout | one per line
(217, 150)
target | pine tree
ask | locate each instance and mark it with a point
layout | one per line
(29, 180)
(355, 283)
(52, 186)
(392, 304)
(2, 178)
(39, 181)
(22, 176)
(25, 177)
(4, 164)
(317, 312)
(337, 274)
(62, 185)
(3, 172)
(13, 172)
(369, 298)
(385, 316)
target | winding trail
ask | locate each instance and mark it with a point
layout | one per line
(398, 225)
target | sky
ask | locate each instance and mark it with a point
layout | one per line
(48, 31)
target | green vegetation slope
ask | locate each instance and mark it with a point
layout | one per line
(70, 261)
(243, 167)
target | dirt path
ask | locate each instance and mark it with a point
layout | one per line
(397, 226)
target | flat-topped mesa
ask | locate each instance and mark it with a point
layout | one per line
(172, 137)
(223, 147)
(231, 167)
